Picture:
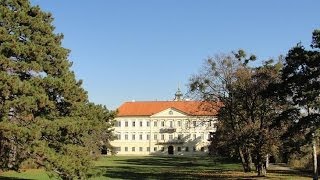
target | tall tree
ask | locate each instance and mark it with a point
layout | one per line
(246, 122)
(301, 88)
(44, 112)
(214, 83)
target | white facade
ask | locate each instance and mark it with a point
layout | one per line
(170, 131)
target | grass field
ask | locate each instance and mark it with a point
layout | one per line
(120, 167)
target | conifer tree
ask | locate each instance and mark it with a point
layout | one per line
(44, 112)
(301, 89)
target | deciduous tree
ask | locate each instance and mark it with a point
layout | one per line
(247, 121)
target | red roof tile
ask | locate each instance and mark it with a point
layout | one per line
(149, 108)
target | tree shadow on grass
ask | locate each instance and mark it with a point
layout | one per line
(10, 178)
(291, 173)
(173, 167)
(172, 173)
(176, 167)
(176, 161)
(178, 173)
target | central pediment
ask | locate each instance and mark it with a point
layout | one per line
(170, 112)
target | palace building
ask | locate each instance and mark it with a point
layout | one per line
(175, 127)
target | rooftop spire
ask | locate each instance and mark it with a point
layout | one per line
(178, 95)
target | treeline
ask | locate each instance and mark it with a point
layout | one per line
(270, 111)
(46, 120)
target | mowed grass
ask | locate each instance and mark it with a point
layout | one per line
(166, 167)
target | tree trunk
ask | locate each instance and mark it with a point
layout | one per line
(242, 159)
(262, 170)
(250, 160)
(261, 165)
(245, 159)
(267, 161)
(315, 163)
(12, 155)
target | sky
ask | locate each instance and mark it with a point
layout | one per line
(143, 50)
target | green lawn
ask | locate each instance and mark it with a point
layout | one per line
(120, 167)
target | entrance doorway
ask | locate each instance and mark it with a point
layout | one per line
(104, 150)
(170, 149)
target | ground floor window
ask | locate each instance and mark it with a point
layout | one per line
(118, 149)
(133, 149)
(125, 148)
(140, 148)
(194, 148)
(155, 149)
(202, 149)
(179, 149)
(162, 149)
(148, 149)
(170, 149)
(187, 149)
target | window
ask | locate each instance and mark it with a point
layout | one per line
(155, 149)
(179, 123)
(194, 136)
(141, 123)
(187, 149)
(133, 123)
(148, 149)
(155, 137)
(140, 149)
(133, 137)
(179, 136)
(140, 136)
(162, 123)
(126, 149)
(170, 137)
(171, 124)
(118, 124)
(179, 149)
(148, 124)
(194, 149)
(162, 149)
(118, 137)
(126, 124)
(202, 149)
(126, 136)
(202, 136)
(118, 149)
(187, 124)
(133, 149)
(162, 136)
(155, 123)
(194, 123)
(148, 136)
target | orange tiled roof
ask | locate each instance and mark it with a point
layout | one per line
(148, 108)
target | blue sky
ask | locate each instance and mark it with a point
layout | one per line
(127, 50)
